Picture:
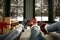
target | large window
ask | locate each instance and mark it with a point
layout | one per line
(17, 9)
(1, 8)
(41, 10)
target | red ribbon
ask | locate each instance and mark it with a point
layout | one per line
(3, 25)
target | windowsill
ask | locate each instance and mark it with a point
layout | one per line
(18, 18)
(45, 18)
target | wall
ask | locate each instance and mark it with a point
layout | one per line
(29, 9)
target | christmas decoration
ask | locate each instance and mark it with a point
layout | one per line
(3, 25)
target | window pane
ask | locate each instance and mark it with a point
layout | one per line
(1, 8)
(17, 9)
(41, 10)
(57, 10)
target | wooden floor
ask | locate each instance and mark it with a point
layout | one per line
(26, 34)
(52, 36)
